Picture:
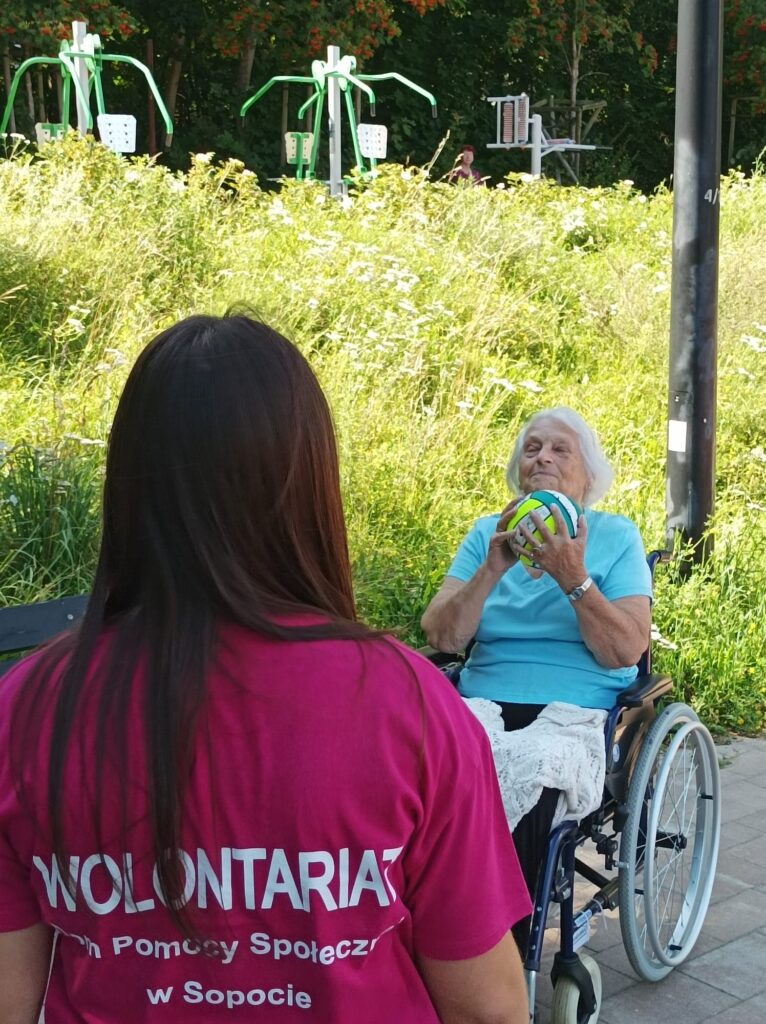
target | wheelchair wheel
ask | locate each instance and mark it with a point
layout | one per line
(566, 997)
(669, 844)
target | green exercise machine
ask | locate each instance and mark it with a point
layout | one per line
(80, 61)
(331, 83)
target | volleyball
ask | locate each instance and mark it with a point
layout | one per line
(543, 502)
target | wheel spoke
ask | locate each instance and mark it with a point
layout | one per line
(669, 843)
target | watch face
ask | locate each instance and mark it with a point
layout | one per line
(577, 592)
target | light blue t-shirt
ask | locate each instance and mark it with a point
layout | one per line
(528, 647)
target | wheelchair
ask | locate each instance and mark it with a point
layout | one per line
(658, 826)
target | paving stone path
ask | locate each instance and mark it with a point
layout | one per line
(724, 979)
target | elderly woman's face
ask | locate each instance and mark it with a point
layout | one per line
(551, 460)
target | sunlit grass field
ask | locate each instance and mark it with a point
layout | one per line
(437, 318)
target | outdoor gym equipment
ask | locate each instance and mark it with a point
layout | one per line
(80, 61)
(513, 132)
(330, 80)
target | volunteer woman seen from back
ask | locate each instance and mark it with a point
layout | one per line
(223, 796)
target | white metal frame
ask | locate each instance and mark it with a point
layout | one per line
(513, 132)
(334, 123)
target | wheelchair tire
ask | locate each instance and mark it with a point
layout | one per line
(565, 1008)
(670, 843)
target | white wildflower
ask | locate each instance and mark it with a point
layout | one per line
(85, 441)
(662, 641)
(572, 220)
(756, 344)
(118, 359)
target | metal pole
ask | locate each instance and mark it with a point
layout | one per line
(8, 78)
(732, 130)
(694, 295)
(79, 29)
(537, 145)
(333, 123)
(151, 120)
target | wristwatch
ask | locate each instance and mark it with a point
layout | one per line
(577, 592)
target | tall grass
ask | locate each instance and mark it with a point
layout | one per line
(437, 319)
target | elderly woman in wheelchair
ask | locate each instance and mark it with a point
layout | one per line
(571, 628)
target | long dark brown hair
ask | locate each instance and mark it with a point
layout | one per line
(221, 503)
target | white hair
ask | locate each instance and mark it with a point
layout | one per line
(600, 473)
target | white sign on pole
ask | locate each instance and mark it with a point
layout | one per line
(677, 431)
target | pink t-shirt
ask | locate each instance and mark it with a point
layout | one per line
(342, 815)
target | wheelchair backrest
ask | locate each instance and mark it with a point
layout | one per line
(25, 627)
(645, 661)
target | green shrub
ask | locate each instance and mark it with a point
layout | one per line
(437, 319)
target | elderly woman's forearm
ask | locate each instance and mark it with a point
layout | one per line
(452, 617)
(448, 625)
(616, 633)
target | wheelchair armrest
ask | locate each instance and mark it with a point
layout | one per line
(643, 690)
(440, 658)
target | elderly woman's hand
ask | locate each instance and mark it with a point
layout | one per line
(558, 554)
(500, 555)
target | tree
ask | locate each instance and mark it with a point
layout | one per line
(34, 29)
(359, 27)
(38, 26)
(745, 49)
(562, 31)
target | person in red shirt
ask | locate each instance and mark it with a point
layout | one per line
(464, 169)
(222, 796)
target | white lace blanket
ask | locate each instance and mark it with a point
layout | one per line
(562, 749)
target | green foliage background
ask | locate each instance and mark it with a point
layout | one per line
(210, 55)
(437, 318)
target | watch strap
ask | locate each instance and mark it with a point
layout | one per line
(577, 592)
